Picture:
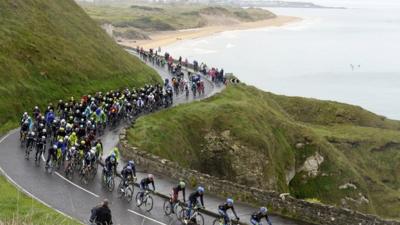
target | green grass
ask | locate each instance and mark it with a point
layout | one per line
(154, 17)
(18, 208)
(249, 136)
(52, 49)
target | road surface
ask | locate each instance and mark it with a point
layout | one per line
(76, 199)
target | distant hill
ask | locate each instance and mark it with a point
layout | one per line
(138, 21)
(52, 49)
(326, 151)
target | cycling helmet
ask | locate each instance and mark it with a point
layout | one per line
(263, 210)
(112, 160)
(131, 162)
(44, 131)
(33, 133)
(66, 137)
(113, 154)
(36, 107)
(44, 137)
(25, 113)
(129, 167)
(73, 148)
(82, 142)
(182, 184)
(200, 189)
(55, 146)
(150, 176)
(229, 201)
(92, 151)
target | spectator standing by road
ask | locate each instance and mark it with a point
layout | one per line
(101, 215)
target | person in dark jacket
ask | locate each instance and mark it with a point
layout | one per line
(101, 215)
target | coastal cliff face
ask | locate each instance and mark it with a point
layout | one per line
(321, 150)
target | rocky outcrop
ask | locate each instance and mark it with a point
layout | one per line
(312, 163)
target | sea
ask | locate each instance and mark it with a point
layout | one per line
(348, 55)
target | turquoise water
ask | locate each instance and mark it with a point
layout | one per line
(350, 55)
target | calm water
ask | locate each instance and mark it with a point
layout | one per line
(350, 55)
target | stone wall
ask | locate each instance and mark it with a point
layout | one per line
(281, 204)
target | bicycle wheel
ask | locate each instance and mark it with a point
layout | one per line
(181, 214)
(177, 208)
(148, 204)
(129, 194)
(199, 219)
(120, 192)
(218, 221)
(167, 207)
(110, 184)
(138, 199)
(83, 177)
(69, 173)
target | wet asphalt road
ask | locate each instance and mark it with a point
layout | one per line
(76, 199)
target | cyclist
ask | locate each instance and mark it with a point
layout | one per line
(51, 155)
(193, 200)
(24, 128)
(256, 217)
(175, 192)
(24, 117)
(115, 151)
(127, 173)
(223, 208)
(40, 145)
(99, 150)
(131, 163)
(110, 164)
(89, 160)
(73, 139)
(30, 140)
(144, 184)
(70, 157)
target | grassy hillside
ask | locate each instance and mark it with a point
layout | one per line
(336, 153)
(142, 19)
(17, 208)
(51, 49)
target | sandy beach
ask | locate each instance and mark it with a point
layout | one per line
(161, 39)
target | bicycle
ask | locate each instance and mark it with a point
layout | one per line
(50, 166)
(125, 189)
(69, 171)
(22, 138)
(171, 207)
(144, 197)
(88, 173)
(29, 148)
(39, 152)
(220, 221)
(108, 180)
(195, 218)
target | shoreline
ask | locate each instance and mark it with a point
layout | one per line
(162, 39)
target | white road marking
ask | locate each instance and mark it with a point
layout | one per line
(155, 221)
(4, 138)
(31, 195)
(83, 189)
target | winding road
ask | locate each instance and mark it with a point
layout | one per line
(75, 199)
